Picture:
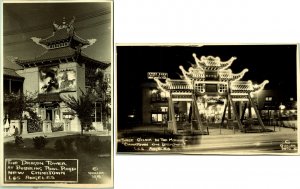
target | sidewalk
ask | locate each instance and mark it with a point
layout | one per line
(58, 134)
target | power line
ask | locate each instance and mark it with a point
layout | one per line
(105, 21)
(79, 18)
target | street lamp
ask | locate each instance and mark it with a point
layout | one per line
(281, 108)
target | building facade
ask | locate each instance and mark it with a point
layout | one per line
(274, 106)
(12, 88)
(62, 70)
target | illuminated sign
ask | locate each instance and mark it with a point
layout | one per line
(158, 75)
(211, 76)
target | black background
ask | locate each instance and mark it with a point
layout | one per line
(276, 63)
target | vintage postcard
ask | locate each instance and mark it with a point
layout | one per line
(57, 94)
(207, 99)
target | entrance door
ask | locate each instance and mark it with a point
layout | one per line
(49, 115)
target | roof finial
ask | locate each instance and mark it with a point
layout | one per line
(55, 26)
(64, 21)
(72, 21)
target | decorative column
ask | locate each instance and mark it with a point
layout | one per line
(172, 122)
(24, 127)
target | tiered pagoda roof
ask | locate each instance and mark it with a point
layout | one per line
(64, 45)
(212, 63)
(240, 89)
(211, 70)
(172, 84)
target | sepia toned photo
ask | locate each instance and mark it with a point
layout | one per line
(207, 99)
(57, 94)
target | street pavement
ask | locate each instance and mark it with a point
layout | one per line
(228, 141)
(248, 143)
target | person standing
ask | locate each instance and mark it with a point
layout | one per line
(16, 133)
(11, 131)
(6, 125)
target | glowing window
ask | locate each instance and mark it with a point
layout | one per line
(158, 96)
(164, 109)
(154, 91)
(156, 117)
(163, 95)
(268, 98)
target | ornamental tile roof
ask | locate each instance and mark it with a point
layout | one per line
(7, 72)
(211, 70)
(56, 36)
(63, 34)
(62, 53)
(51, 54)
(83, 41)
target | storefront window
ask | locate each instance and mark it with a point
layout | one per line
(268, 98)
(158, 96)
(164, 109)
(157, 118)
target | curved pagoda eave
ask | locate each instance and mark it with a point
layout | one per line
(212, 63)
(71, 39)
(64, 33)
(63, 59)
(247, 86)
(36, 63)
(89, 61)
(259, 87)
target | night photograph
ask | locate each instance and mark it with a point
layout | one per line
(210, 99)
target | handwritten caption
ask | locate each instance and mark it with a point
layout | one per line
(151, 144)
(44, 170)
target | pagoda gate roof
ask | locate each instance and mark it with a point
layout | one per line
(212, 63)
(63, 46)
(210, 70)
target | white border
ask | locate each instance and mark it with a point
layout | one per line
(107, 185)
(210, 22)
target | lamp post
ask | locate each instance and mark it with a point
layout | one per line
(281, 108)
(95, 112)
(256, 86)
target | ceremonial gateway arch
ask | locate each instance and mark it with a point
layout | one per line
(211, 80)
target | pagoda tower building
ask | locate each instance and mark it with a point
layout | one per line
(210, 81)
(62, 69)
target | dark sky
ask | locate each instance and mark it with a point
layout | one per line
(21, 21)
(276, 63)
